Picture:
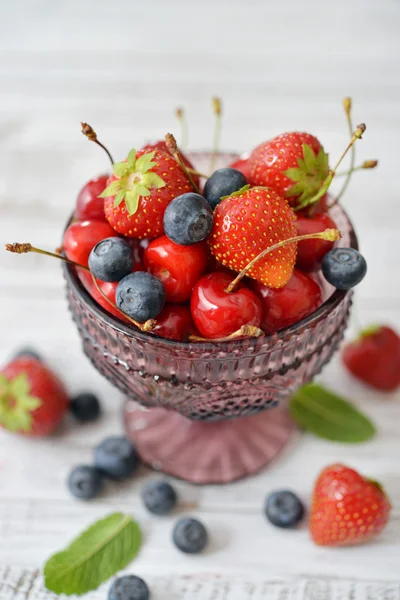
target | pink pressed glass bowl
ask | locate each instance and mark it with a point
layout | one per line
(198, 411)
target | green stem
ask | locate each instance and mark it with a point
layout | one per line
(180, 114)
(352, 158)
(217, 132)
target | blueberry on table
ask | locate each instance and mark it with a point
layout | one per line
(85, 482)
(344, 268)
(116, 457)
(111, 259)
(284, 509)
(190, 536)
(159, 497)
(188, 219)
(28, 353)
(85, 407)
(223, 182)
(129, 587)
(141, 296)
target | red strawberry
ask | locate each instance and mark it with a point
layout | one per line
(292, 164)
(347, 508)
(375, 358)
(242, 165)
(245, 224)
(140, 190)
(33, 400)
(161, 145)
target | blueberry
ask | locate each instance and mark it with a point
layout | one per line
(116, 458)
(190, 536)
(141, 296)
(111, 259)
(129, 587)
(28, 353)
(85, 482)
(223, 182)
(159, 497)
(344, 267)
(284, 509)
(85, 407)
(188, 219)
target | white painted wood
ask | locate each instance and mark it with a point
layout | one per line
(124, 66)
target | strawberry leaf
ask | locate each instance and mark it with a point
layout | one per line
(120, 169)
(309, 175)
(238, 192)
(112, 189)
(145, 162)
(152, 181)
(16, 403)
(142, 190)
(132, 202)
(131, 160)
(329, 416)
(118, 198)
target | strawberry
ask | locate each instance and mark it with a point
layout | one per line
(292, 164)
(140, 190)
(246, 223)
(242, 165)
(346, 508)
(33, 400)
(161, 145)
(375, 358)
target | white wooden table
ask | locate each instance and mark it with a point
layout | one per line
(123, 67)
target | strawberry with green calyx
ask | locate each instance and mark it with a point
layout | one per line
(33, 401)
(140, 190)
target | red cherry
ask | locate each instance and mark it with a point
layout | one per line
(175, 322)
(178, 267)
(322, 206)
(311, 252)
(284, 306)
(82, 236)
(109, 289)
(138, 248)
(216, 313)
(88, 204)
(242, 165)
(161, 145)
(85, 277)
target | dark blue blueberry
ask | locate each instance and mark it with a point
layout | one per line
(344, 267)
(28, 353)
(129, 587)
(116, 458)
(159, 497)
(85, 407)
(111, 259)
(190, 536)
(188, 219)
(284, 509)
(85, 482)
(223, 182)
(141, 296)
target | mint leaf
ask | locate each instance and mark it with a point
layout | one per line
(329, 416)
(97, 554)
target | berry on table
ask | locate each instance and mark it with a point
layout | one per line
(116, 457)
(190, 536)
(88, 204)
(111, 259)
(82, 236)
(284, 509)
(85, 407)
(159, 497)
(177, 267)
(175, 323)
(344, 268)
(85, 482)
(347, 508)
(223, 182)
(27, 352)
(129, 587)
(374, 358)
(141, 296)
(188, 219)
(311, 252)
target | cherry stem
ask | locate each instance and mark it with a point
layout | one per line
(173, 149)
(91, 135)
(180, 115)
(367, 164)
(24, 248)
(146, 326)
(330, 235)
(194, 172)
(347, 109)
(244, 331)
(357, 135)
(217, 108)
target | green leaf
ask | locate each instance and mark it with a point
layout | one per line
(145, 162)
(141, 190)
(238, 192)
(16, 403)
(119, 197)
(132, 202)
(329, 416)
(132, 158)
(309, 176)
(309, 157)
(112, 189)
(120, 169)
(97, 554)
(153, 181)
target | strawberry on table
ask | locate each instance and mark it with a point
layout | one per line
(140, 190)
(374, 358)
(347, 508)
(33, 400)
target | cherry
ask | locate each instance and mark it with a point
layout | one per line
(108, 288)
(161, 145)
(284, 306)
(88, 204)
(217, 313)
(242, 165)
(177, 267)
(82, 236)
(175, 322)
(311, 252)
(321, 206)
